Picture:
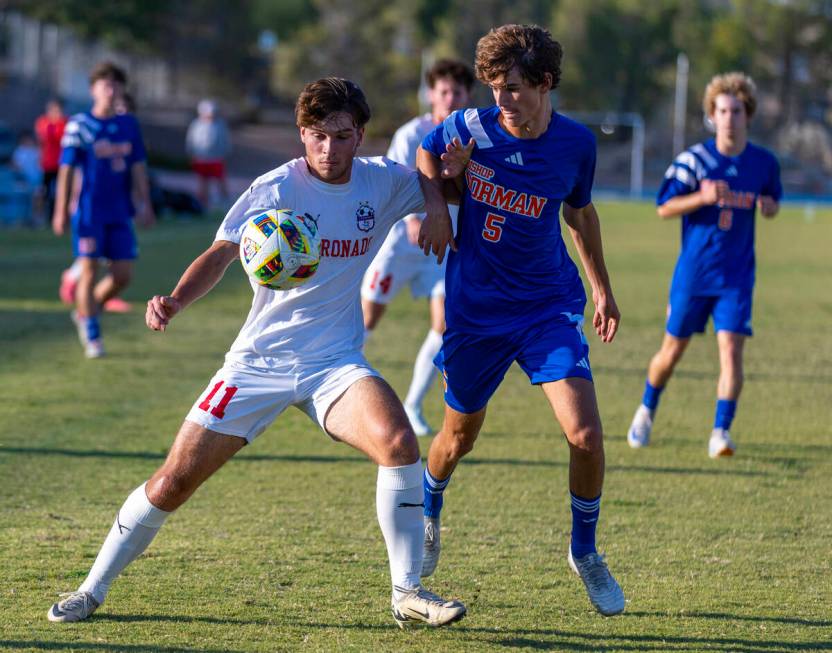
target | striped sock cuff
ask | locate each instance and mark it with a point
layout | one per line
(586, 505)
(433, 485)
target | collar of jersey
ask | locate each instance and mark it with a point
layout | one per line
(514, 139)
(332, 189)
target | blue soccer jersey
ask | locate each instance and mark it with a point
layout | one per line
(104, 150)
(512, 269)
(718, 241)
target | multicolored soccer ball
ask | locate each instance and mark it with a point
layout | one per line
(280, 249)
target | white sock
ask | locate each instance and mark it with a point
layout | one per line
(137, 523)
(423, 370)
(399, 506)
(75, 269)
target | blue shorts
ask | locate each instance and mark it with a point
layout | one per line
(114, 241)
(474, 365)
(688, 314)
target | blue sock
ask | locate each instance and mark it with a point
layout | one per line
(92, 326)
(433, 493)
(651, 396)
(584, 520)
(725, 409)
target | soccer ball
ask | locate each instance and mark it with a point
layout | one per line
(280, 249)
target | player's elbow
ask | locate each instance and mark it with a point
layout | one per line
(664, 211)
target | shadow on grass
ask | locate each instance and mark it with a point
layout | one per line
(564, 640)
(778, 377)
(42, 645)
(295, 458)
(723, 616)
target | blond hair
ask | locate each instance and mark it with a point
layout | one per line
(740, 85)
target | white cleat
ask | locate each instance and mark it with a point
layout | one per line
(639, 434)
(430, 555)
(721, 444)
(417, 420)
(604, 592)
(75, 607)
(418, 606)
(94, 348)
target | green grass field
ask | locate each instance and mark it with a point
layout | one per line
(281, 549)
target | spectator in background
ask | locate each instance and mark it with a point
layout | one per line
(49, 129)
(26, 161)
(208, 143)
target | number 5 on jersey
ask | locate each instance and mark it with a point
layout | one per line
(218, 411)
(493, 230)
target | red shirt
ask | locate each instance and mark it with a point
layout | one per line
(49, 132)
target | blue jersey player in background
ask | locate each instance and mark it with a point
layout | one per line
(716, 186)
(106, 149)
(512, 292)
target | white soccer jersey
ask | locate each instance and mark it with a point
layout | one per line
(320, 321)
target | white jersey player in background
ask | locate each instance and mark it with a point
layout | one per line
(400, 260)
(299, 348)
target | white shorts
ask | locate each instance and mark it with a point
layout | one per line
(243, 401)
(399, 263)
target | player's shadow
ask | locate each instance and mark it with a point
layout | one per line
(305, 458)
(772, 377)
(44, 645)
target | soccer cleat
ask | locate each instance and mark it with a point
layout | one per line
(417, 420)
(604, 592)
(75, 607)
(639, 434)
(420, 606)
(721, 444)
(117, 305)
(430, 556)
(66, 291)
(94, 348)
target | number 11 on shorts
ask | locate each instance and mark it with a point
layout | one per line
(218, 411)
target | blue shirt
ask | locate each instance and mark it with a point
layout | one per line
(512, 268)
(104, 150)
(718, 241)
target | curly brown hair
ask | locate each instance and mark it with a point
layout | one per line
(529, 47)
(320, 99)
(738, 84)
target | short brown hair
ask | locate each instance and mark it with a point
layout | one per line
(529, 47)
(109, 71)
(456, 70)
(329, 95)
(740, 85)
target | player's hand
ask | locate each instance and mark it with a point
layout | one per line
(59, 221)
(456, 157)
(160, 311)
(437, 232)
(607, 316)
(768, 206)
(414, 226)
(714, 192)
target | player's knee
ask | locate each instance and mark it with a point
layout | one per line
(121, 278)
(399, 446)
(459, 443)
(167, 490)
(587, 439)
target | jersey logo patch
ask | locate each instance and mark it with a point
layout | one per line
(365, 217)
(731, 171)
(516, 159)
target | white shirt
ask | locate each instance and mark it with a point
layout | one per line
(321, 320)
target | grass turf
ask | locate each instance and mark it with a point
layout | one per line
(281, 549)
